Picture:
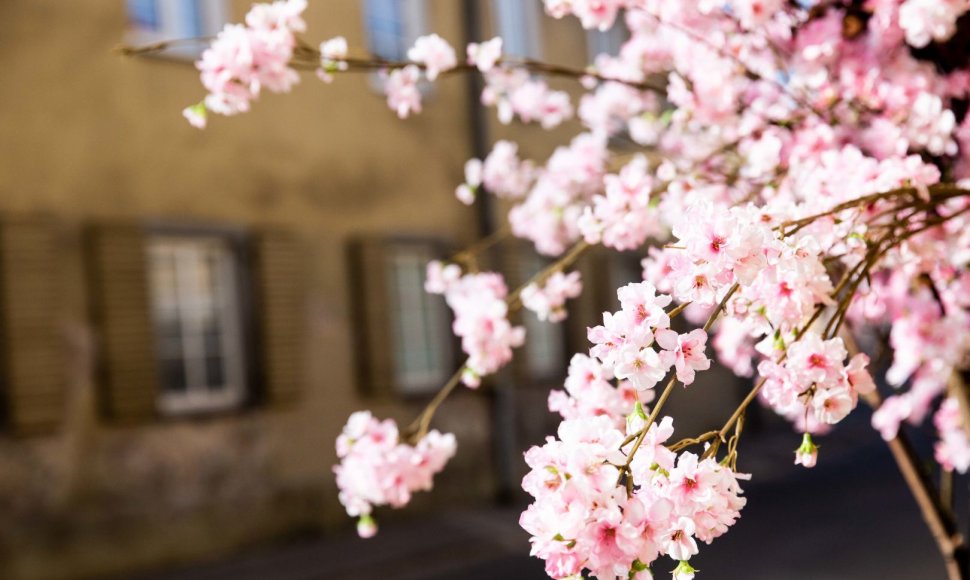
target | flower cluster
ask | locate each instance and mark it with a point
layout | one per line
(590, 393)
(582, 519)
(549, 213)
(814, 380)
(624, 216)
(376, 468)
(243, 60)
(502, 173)
(952, 451)
(484, 56)
(549, 300)
(430, 56)
(481, 318)
(514, 93)
(434, 53)
(928, 20)
(625, 342)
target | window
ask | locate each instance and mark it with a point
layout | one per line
(403, 341)
(422, 343)
(393, 26)
(157, 20)
(607, 41)
(195, 305)
(517, 22)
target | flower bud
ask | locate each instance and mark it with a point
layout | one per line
(196, 115)
(807, 454)
(366, 526)
(636, 420)
(684, 571)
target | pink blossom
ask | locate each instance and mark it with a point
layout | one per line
(928, 20)
(245, 59)
(686, 352)
(481, 321)
(441, 277)
(952, 451)
(195, 115)
(890, 414)
(376, 468)
(484, 55)
(549, 300)
(679, 542)
(280, 15)
(333, 55)
(434, 53)
(473, 179)
(504, 174)
(641, 366)
(401, 87)
(599, 14)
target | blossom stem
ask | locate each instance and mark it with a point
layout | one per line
(419, 427)
(568, 259)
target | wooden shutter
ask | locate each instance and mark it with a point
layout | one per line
(373, 345)
(122, 313)
(33, 374)
(278, 269)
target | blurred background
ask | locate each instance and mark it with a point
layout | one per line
(187, 319)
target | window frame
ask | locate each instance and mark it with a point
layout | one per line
(373, 307)
(242, 395)
(210, 16)
(413, 20)
(519, 23)
(414, 23)
(433, 380)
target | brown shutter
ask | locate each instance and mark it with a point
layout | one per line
(278, 268)
(373, 346)
(121, 309)
(33, 372)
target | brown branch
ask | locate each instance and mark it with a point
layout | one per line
(938, 517)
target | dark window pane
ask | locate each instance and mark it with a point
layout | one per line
(213, 343)
(215, 376)
(169, 326)
(173, 375)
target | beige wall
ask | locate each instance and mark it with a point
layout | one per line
(87, 135)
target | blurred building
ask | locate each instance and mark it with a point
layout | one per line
(187, 318)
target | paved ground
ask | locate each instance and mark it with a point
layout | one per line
(851, 518)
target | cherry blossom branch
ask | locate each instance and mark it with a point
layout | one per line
(932, 505)
(568, 259)
(939, 191)
(753, 393)
(875, 253)
(160, 47)
(308, 58)
(468, 255)
(419, 427)
(639, 436)
(688, 442)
